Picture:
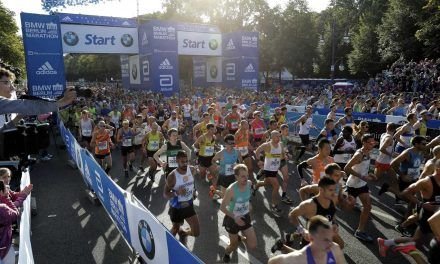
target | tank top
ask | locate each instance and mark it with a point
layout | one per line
(160, 116)
(203, 128)
(272, 160)
(346, 147)
(228, 162)
(310, 260)
(328, 213)
(361, 168)
(411, 167)
(127, 138)
(186, 110)
(383, 158)
(86, 127)
(242, 143)
(153, 141)
(187, 182)
(319, 168)
(195, 114)
(239, 204)
(207, 147)
(348, 121)
(304, 129)
(172, 153)
(406, 137)
(232, 121)
(422, 129)
(139, 136)
(102, 143)
(435, 197)
(173, 123)
(257, 127)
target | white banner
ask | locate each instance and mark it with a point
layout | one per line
(194, 43)
(25, 255)
(214, 70)
(99, 39)
(148, 236)
(135, 75)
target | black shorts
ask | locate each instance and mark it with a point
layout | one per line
(270, 174)
(136, 147)
(225, 181)
(233, 228)
(220, 129)
(232, 131)
(423, 221)
(305, 139)
(126, 150)
(150, 153)
(257, 140)
(87, 139)
(205, 161)
(403, 184)
(178, 215)
(101, 156)
(355, 192)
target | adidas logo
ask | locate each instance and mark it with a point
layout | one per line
(126, 23)
(249, 68)
(67, 19)
(230, 45)
(46, 69)
(144, 39)
(165, 65)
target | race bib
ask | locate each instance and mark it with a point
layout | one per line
(160, 118)
(209, 150)
(187, 196)
(103, 145)
(241, 209)
(274, 164)
(346, 157)
(413, 173)
(229, 169)
(234, 125)
(172, 162)
(243, 151)
(87, 132)
(126, 142)
(154, 145)
(259, 131)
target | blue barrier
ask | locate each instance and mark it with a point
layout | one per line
(138, 226)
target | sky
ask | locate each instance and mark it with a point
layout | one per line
(117, 8)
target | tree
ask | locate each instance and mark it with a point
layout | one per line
(429, 32)
(11, 45)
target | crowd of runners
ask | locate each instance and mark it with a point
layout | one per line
(238, 148)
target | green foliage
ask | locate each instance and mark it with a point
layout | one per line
(92, 67)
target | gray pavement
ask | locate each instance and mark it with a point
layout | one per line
(69, 229)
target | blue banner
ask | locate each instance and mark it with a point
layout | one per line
(96, 20)
(165, 67)
(43, 54)
(231, 68)
(241, 44)
(357, 116)
(125, 71)
(199, 71)
(249, 73)
(231, 43)
(146, 80)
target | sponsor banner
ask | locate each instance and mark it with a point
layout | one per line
(249, 44)
(193, 43)
(25, 255)
(125, 71)
(230, 72)
(96, 20)
(178, 253)
(157, 36)
(214, 70)
(145, 69)
(231, 44)
(43, 54)
(134, 69)
(165, 77)
(99, 39)
(201, 28)
(199, 71)
(148, 236)
(249, 73)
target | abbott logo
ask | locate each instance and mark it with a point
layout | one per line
(249, 68)
(166, 80)
(165, 65)
(230, 45)
(146, 68)
(230, 69)
(46, 69)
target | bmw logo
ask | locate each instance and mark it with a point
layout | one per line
(213, 44)
(70, 38)
(134, 71)
(146, 239)
(213, 71)
(127, 40)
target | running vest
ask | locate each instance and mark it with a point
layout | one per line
(86, 127)
(361, 168)
(160, 116)
(185, 181)
(435, 197)
(242, 143)
(139, 136)
(153, 141)
(310, 260)
(319, 168)
(383, 158)
(411, 167)
(328, 213)
(186, 110)
(304, 128)
(346, 147)
(239, 204)
(102, 143)
(207, 147)
(422, 129)
(272, 160)
(173, 123)
(348, 121)
(195, 114)
(127, 138)
(172, 153)
(228, 162)
(257, 127)
(232, 122)
(406, 138)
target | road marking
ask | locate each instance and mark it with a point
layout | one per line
(384, 215)
(240, 251)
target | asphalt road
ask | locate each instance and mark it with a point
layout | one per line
(70, 229)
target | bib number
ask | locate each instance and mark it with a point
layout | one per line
(172, 162)
(241, 209)
(234, 125)
(243, 151)
(126, 142)
(102, 145)
(87, 132)
(413, 173)
(346, 157)
(259, 131)
(229, 169)
(154, 145)
(209, 151)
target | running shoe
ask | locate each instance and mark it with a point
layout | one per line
(363, 236)
(277, 246)
(226, 258)
(276, 211)
(382, 248)
(285, 199)
(406, 248)
(384, 188)
(403, 231)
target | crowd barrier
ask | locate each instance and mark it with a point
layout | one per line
(139, 227)
(25, 255)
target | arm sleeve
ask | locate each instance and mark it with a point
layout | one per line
(26, 107)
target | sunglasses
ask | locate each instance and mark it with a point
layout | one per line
(230, 143)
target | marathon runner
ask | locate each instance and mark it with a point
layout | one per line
(86, 129)
(386, 153)
(232, 120)
(125, 138)
(257, 129)
(139, 130)
(305, 122)
(405, 133)
(151, 143)
(347, 119)
(243, 146)
(102, 143)
(206, 146)
(345, 147)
